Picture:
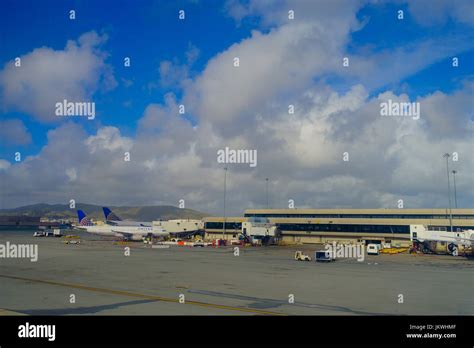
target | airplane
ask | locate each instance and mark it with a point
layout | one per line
(125, 232)
(174, 227)
(420, 234)
(112, 219)
(139, 232)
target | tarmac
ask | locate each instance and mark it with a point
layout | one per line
(212, 281)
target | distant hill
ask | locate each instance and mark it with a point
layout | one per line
(145, 213)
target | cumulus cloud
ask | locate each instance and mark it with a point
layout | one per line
(47, 76)
(288, 57)
(390, 158)
(4, 164)
(430, 13)
(72, 174)
(108, 138)
(283, 63)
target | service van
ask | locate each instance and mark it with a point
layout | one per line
(373, 249)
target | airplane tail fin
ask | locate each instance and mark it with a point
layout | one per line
(109, 215)
(83, 219)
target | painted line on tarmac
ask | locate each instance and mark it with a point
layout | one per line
(4, 312)
(149, 297)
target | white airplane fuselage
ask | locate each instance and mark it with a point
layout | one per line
(128, 232)
(139, 231)
(102, 230)
(124, 223)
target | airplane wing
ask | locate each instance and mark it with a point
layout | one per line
(447, 240)
(123, 234)
(126, 235)
(461, 239)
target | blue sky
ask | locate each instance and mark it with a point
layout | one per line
(148, 33)
(411, 56)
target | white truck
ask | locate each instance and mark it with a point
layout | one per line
(422, 236)
(373, 249)
(57, 232)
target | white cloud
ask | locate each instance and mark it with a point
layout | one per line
(48, 76)
(390, 159)
(247, 107)
(280, 63)
(291, 56)
(72, 174)
(4, 164)
(430, 13)
(108, 138)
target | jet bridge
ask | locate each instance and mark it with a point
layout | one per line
(260, 230)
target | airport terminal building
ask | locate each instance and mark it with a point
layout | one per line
(342, 225)
(25, 222)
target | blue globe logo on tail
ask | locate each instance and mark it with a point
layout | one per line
(109, 215)
(83, 219)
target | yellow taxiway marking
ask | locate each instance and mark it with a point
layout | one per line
(9, 312)
(149, 297)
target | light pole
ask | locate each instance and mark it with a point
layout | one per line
(266, 181)
(455, 194)
(225, 188)
(446, 155)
